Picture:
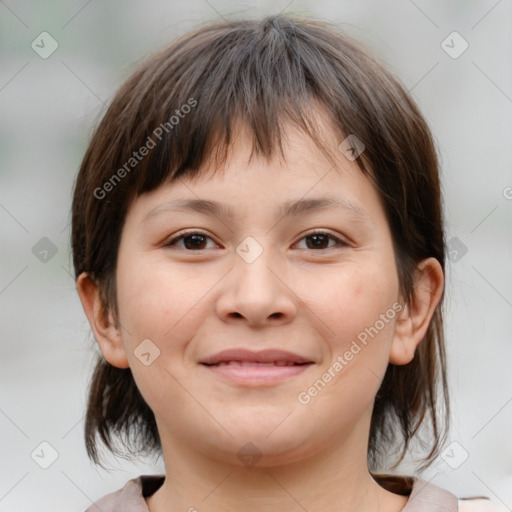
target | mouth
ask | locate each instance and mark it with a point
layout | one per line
(252, 369)
(247, 364)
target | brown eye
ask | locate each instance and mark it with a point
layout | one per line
(192, 241)
(320, 240)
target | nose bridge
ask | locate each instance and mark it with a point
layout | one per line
(254, 290)
(250, 250)
(252, 264)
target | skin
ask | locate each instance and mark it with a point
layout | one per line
(312, 301)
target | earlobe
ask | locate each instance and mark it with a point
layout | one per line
(412, 324)
(107, 335)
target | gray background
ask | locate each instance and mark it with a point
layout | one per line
(48, 110)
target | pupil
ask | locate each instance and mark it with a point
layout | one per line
(319, 240)
(197, 241)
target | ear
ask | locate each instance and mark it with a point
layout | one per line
(106, 333)
(412, 325)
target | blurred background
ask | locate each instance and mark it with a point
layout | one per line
(61, 63)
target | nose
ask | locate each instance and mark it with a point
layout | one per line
(257, 290)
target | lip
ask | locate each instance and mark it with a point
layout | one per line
(263, 356)
(241, 366)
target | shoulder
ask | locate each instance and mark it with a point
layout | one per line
(130, 497)
(424, 495)
(429, 493)
(478, 505)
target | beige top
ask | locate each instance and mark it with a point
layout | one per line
(423, 497)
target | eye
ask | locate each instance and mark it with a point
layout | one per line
(197, 241)
(193, 240)
(319, 239)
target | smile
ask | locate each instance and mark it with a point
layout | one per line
(244, 367)
(255, 363)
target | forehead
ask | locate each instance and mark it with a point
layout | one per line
(302, 180)
(317, 140)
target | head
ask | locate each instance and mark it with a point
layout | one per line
(251, 114)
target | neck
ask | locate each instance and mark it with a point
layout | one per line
(328, 481)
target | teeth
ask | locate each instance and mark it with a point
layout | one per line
(254, 363)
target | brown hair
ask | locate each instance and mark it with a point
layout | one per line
(263, 73)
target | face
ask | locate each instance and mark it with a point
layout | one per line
(315, 284)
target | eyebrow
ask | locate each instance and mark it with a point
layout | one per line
(291, 208)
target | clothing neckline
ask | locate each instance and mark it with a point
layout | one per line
(420, 492)
(402, 485)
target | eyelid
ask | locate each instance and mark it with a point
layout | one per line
(318, 231)
(182, 234)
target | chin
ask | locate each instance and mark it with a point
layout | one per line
(273, 448)
(271, 454)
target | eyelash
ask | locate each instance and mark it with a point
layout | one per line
(172, 241)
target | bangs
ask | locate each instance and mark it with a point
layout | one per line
(188, 102)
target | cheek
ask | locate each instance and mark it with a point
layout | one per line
(362, 317)
(160, 302)
(359, 310)
(358, 297)
(139, 298)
